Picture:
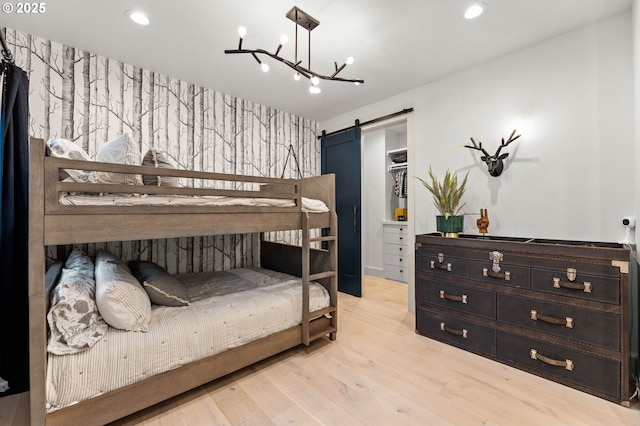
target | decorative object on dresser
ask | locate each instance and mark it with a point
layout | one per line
(557, 309)
(483, 222)
(396, 251)
(495, 163)
(447, 196)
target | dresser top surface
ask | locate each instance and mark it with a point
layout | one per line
(534, 245)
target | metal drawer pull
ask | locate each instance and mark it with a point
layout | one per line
(567, 321)
(450, 330)
(496, 257)
(487, 273)
(586, 287)
(462, 298)
(567, 363)
(441, 264)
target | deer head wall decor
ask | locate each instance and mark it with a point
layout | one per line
(494, 162)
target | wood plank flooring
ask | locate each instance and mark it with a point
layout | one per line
(377, 372)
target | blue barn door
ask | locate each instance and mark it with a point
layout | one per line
(341, 156)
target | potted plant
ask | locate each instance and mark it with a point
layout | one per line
(447, 196)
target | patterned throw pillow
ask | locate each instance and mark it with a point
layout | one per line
(121, 150)
(74, 320)
(79, 261)
(121, 300)
(162, 287)
(154, 158)
(63, 148)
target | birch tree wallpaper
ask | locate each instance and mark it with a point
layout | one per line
(90, 100)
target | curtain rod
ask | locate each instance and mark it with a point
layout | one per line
(6, 53)
(375, 120)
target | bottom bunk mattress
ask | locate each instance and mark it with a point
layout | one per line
(227, 309)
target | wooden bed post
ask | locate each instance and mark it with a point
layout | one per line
(305, 278)
(37, 302)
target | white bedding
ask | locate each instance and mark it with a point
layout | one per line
(216, 320)
(308, 204)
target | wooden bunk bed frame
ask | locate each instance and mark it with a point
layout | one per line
(53, 224)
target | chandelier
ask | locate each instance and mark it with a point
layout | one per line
(306, 21)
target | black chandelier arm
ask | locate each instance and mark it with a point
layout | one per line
(297, 67)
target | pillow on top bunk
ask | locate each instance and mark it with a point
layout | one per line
(121, 150)
(74, 321)
(162, 287)
(121, 300)
(63, 148)
(157, 159)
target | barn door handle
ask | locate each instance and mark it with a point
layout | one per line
(355, 220)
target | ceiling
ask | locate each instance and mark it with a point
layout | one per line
(397, 45)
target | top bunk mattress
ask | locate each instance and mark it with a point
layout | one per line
(67, 199)
(228, 309)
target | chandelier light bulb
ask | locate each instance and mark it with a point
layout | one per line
(314, 90)
(296, 76)
(357, 83)
(350, 60)
(242, 31)
(315, 80)
(284, 39)
(265, 67)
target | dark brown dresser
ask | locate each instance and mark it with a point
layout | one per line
(557, 309)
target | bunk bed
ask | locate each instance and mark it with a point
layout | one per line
(241, 204)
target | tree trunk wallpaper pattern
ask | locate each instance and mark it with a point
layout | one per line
(91, 100)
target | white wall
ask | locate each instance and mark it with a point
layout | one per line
(373, 202)
(571, 175)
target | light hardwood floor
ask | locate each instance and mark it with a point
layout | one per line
(378, 372)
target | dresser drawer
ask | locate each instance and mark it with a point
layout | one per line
(397, 260)
(395, 238)
(583, 286)
(509, 275)
(583, 325)
(396, 230)
(584, 369)
(397, 273)
(441, 263)
(463, 334)
(464, 299)
(397, 249)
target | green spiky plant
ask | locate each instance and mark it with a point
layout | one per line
(446, 194)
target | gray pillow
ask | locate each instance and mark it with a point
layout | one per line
(74, 321)
(162, 287)
(121, 300)
(154, 158)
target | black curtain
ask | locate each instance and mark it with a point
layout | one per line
(14, 214)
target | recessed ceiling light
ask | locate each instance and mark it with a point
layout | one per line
(474, 11)
(138, 17)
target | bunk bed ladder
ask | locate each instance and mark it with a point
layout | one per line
(332, 274)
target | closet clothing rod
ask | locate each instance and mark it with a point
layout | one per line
(375, 120)
(6, 53)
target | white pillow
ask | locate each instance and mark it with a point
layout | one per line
(74, 321)
(121, 300)
(121, 150)
(63, 148)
